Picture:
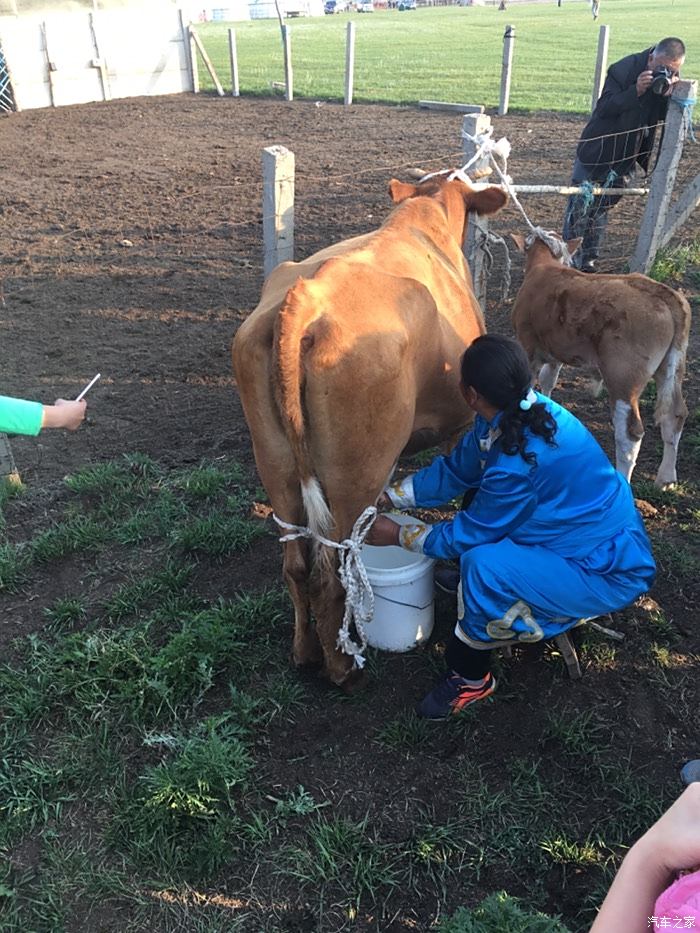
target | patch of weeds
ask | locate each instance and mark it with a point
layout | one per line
(134, 596)
(661, 628)
(104, 479)
(181, 814)
(206, 481)
(153, 520)
(123, 674)
(672, 263)
(439, 851)
(282, 693)
(66, 612)
(500, 913)
(346, 853)
(661, 656)
(634, 803)
(78, 532)
(14, 561)
(405, 732)
(676, 560)
(601, 654)
(217, 535)
(32, 791)
(566, 851)
(297, 803)
(578, 733)
(646, 490)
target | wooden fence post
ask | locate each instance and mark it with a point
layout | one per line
(207, 61)
(508, 46)
(50, 64)
(278, 207)
(349, 62)
(601, 64)
(187, 45)
(233, 53)
(194, 66)
(478, 227)
(99, 62)
(288, 75)
(656, 214)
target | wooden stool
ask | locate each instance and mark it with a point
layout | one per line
(567, 648)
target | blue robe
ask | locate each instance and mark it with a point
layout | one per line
(540, 546)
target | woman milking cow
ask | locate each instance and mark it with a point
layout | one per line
(551, 536)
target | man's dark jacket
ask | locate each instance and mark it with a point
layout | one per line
(622, 128)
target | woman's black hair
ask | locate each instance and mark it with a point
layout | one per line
(497, 367)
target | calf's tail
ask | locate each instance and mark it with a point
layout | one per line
(669, 397)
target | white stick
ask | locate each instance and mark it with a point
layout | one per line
(88, 387)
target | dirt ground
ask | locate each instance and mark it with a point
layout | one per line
(132, 246)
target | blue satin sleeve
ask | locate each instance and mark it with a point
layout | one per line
(504, 501)
(450, 476)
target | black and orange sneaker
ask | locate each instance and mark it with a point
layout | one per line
(452, 695)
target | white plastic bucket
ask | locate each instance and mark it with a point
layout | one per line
(402, 583)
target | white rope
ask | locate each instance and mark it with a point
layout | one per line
(359, 598)
(485, 239)
(487, 147)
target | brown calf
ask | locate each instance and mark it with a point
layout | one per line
(628, 327)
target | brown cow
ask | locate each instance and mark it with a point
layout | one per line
(350, 358)
(629, 327)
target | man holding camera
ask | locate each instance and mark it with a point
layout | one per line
(620, 134)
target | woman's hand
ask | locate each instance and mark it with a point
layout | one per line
(383, 532)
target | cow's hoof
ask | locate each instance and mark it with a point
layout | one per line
(353, 681)
(666, 482)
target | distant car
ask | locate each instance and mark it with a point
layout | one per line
(365, 6)
(406, 5)
(335, 6)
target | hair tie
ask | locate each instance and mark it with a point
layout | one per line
(527, 402)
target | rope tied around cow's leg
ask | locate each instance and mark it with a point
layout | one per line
(359, 598)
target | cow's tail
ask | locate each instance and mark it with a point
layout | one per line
(296, 332)
(669, 397)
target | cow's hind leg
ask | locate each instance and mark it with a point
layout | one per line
(306, 648)
(629, 431)
(670, 414)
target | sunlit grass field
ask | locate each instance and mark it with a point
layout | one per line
(452, 53)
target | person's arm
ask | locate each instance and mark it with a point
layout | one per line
(621, 92)
(19, 416)
(445, 478)
(671, 845)
(504, 501)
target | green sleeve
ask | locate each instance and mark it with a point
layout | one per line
(18, 416)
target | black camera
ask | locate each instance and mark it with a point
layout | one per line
(661, 80)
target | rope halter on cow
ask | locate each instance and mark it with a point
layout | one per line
(359, 598)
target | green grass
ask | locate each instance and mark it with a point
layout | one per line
(451, 53)
(672, 263)
(151, 758)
